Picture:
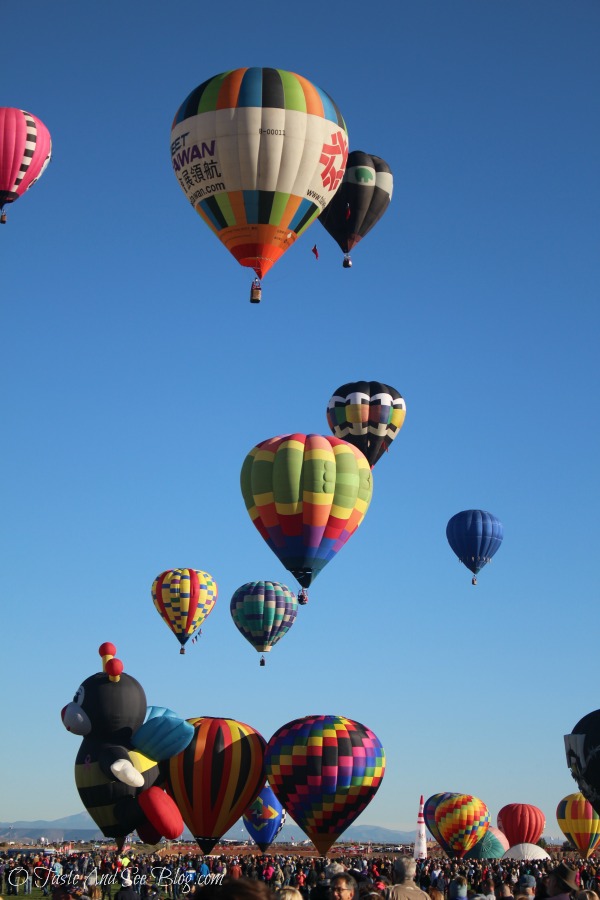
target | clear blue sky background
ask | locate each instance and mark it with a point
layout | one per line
(136, 376)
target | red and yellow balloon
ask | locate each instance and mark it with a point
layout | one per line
(462, 821)
(579, 823)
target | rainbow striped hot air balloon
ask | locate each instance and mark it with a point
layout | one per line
(306, 494)
(579, 823)
(324, 770)
(184, 598)
(462, 821)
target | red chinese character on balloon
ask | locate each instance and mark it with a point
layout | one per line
(334, 157)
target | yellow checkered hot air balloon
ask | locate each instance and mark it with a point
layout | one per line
(184, 598)
(579, 823)
(462, 821)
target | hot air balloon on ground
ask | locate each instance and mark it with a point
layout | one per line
(216, 777)
(184, 598)
(307, 495)
(362, 199)
(431, 804)
(462, 821)
(325, 770)
(492, 845)
(263, 611)
(522, 823)
(25, 151)
(526, 851)
(259, 153)
(475, 536)
(579, 823)
(264, 818)
(582, 747)
(367, 414)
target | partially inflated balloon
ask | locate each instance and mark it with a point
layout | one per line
(462, 821)
(582, 747)
(579, 823)
(217, 777)
(522, 823)
(475, 536)
(263, 611)
(325, 770)
(307, 495)
(264, 818)
(431, 804)
(259, 153)
(25, 151)
(184, 598)
(367, 414)
(358, 205)
(489, 847)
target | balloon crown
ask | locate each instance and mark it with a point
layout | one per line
(112, 666)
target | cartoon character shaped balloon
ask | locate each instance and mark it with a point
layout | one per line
(25, 151)
(462, 821)
(582, 747)
(119, 783)
(184, 598)
(579, 822)
(475, 536)
(264, 818)
(307, 495)
(325, 770)
(367, 414)
(522, 823)
(259, 153)
(217, 776)
(263, 611)
(362, 199)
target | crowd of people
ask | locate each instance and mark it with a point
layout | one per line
(285, 876)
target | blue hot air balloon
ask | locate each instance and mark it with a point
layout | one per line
(264, 818)
(474, 535)
(263, 611)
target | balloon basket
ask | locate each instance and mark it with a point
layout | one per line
(182, 651)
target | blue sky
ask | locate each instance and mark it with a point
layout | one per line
(136, 376)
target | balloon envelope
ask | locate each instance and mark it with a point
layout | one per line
(361, 200)
(582, 747)
(431, 804)
(367, 414)
(25, 151)
(184, 598)
(216, 777)
(307, 495)
(579, 823)
(526, 851)
(489, 847)
(462, 821)
(522, 823)
(264, 818)
(263, 611)
(475, 536)
(325, 770)
(259, 153)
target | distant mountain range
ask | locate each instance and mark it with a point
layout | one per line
(81, 827)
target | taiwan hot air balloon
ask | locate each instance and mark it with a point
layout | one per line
(522, 823)
(25, 151)
(259, 153)
(358, 205)
(263, 611)
(462, 821)
(579, 823)
(184, 598)
(216, 778)
(475, 536)
(582, 747)
(431, 804)
(367, 414)
(325, 770)
(264, 818)
(306, 494)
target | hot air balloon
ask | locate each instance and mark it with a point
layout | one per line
(25, 151)
(259, 153)
(325, 770)
(358, 205)
(462, 821)
(264, 818)
(522, 823)
(306, 494)
(367, 414)
(263, 611)
(582, 747)
(216, 777)
(431, 804)
(184, 598)
(474, 535)
(526, 851)
(492, 845)
(579, 823)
